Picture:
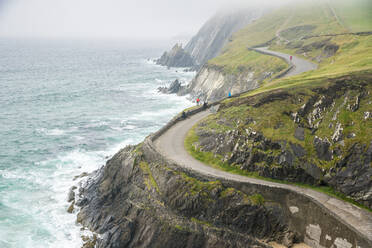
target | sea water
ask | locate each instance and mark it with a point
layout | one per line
(65, 107)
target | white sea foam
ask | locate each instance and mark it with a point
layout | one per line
(62, 224)
(150, 61)
(51, 132)
(159, 81)
(33, 200)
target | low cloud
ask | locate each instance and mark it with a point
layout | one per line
(109, 18)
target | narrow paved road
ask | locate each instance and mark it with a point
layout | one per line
(300, 65)
(171, 145)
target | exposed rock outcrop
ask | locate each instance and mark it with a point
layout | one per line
(176, 57)
(251, 151)
(174, 88)
(320, 137)
(352, 175)
(213, 84)
(132, 202)
(216, 32)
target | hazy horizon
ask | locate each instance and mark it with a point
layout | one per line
(110, 19)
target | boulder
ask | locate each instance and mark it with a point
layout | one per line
(174, 88)
(353, 174)
(322, 148)
(300, 133)
(298, 150)
(176, 57)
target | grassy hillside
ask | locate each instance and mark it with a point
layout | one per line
(287, 28)
(256, 132)
(355, 15)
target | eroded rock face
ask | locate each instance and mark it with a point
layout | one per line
(176, 57)
(353, 174)
(212, 84)
(210, 39)
(135, 203)
(325, 139)
(251, 151)
(322, 147)
(174, 88)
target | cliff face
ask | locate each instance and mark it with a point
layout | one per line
(137, 201)
(319, 136)
(212, 84)
(216, 32)
(210, 39)
(177, 57)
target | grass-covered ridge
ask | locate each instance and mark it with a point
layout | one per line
(317, 102)
(355, 15)
(286, 29)
(216, 161)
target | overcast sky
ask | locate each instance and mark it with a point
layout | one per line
(106, 18)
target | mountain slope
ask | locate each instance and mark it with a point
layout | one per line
(311, 128)
(309, 29)
(214, 34)
(210, 39)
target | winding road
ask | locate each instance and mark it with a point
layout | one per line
(171, 145)
(299, 65)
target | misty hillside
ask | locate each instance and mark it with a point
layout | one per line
(215, 33)
(323, 116)
(210, 39)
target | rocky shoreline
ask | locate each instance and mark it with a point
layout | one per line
(132, 202)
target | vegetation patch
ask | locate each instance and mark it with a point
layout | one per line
(257, 199)
(149, 179)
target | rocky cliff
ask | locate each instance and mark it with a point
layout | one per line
(176, 57)
(137, 200)
(212, 84)
(210, 39)
(319, 136)
(217, 31)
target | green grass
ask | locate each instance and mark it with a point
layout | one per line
(235, 54)
(354, 57)
(199, 187)
(210, 159)
(355, 15)
(257, 199)
(201, 222)
(242, 60)
(149, 179)
(354, 50)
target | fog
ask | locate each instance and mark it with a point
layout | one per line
(135, 19)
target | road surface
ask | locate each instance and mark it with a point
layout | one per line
(299, 65)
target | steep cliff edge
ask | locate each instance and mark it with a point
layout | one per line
(212, 84)
(210, 39)
(176, 57)
(137, 200)
(217, 31)
(318, 134)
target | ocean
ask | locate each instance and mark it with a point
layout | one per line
(65, 108)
